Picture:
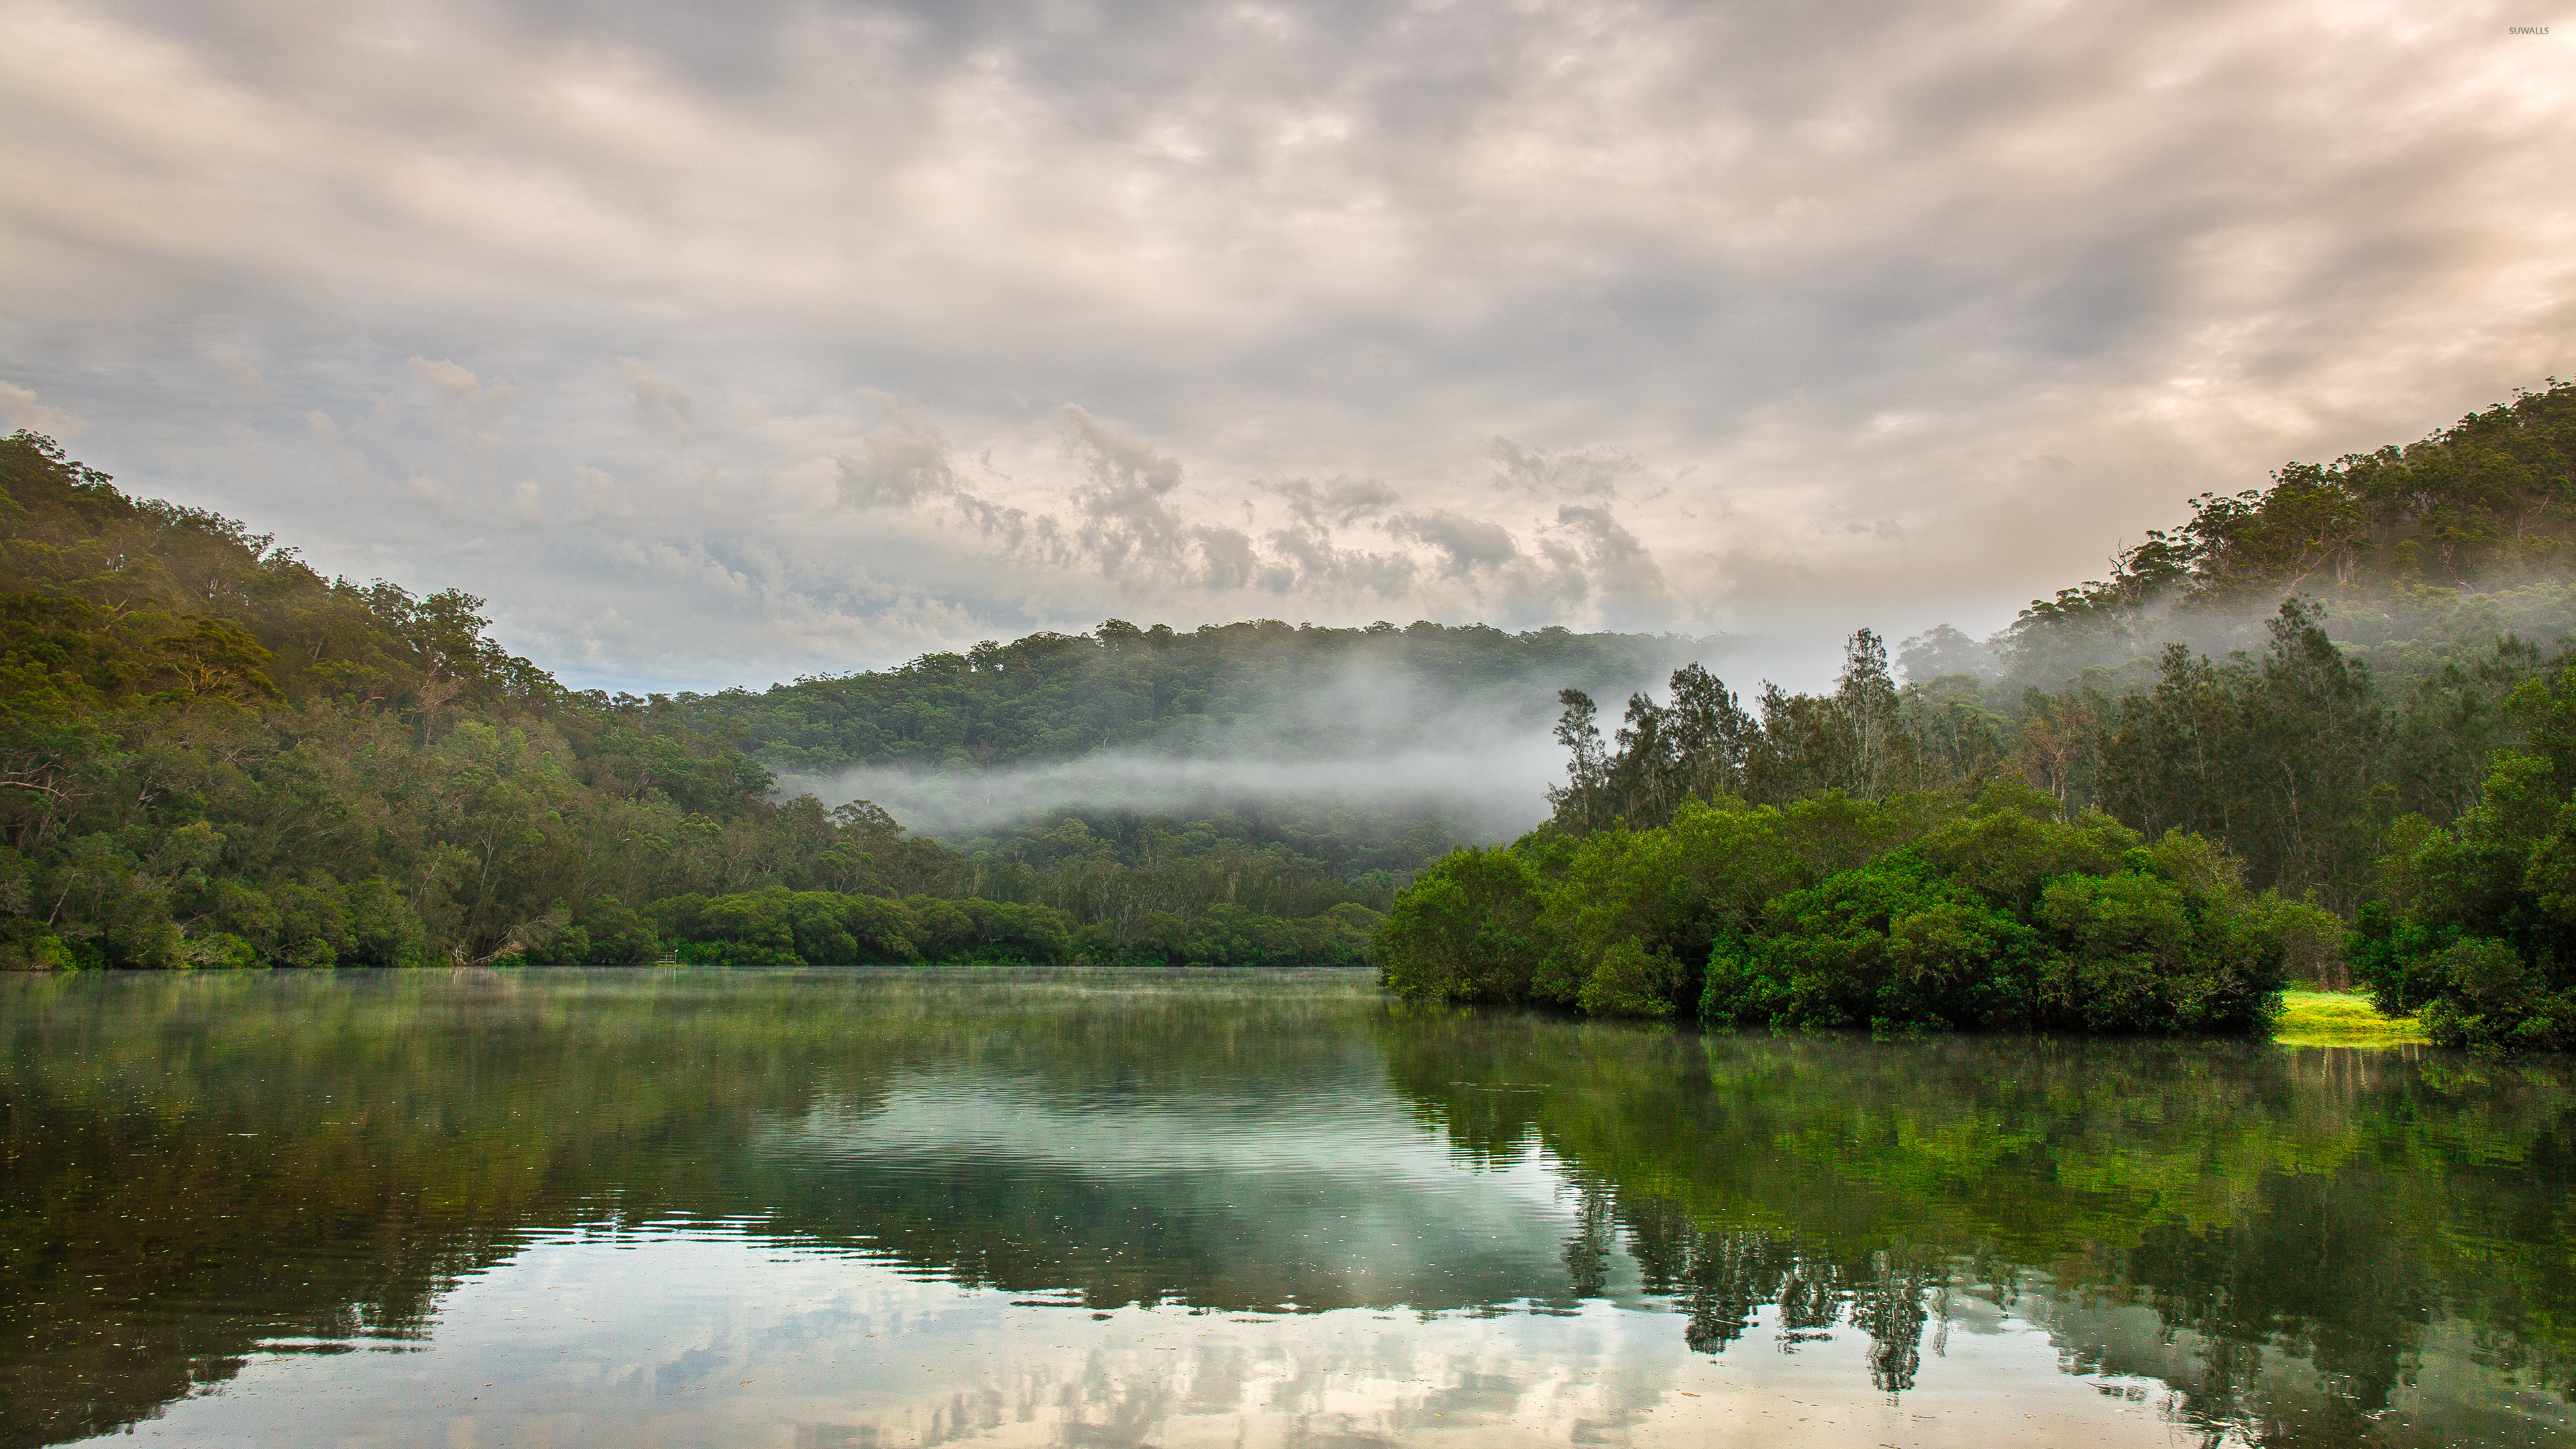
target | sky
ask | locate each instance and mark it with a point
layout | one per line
(724, 344)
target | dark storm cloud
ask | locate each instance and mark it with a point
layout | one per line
(1780, 318)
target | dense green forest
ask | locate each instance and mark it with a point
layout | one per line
(1839, 912)
(1210, 692)
(2131, 810)
(210, 754)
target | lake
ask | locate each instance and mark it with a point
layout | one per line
(553, 1207)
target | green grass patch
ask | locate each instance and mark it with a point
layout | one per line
(2340, 1018)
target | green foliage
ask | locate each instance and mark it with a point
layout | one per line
(1843, 913)
(976, 930)
(1889, 944)
(1114, 871)
(2489, 997)
(2277, 757)
(780, 927)
(2476, 924)
(2373, 688)
(1865, 741)
(1143, 886)
(1220, 934)
(1465, 929)
(210, 755)
(207, 749)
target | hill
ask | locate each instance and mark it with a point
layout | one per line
(211, 754)
(1222, 690)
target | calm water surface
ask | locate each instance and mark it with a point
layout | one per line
(564, 1208)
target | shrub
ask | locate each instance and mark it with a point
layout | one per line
(1463, 931)
(2491, 999)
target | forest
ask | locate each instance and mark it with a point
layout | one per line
(2322, 730)
(212, 755)
(1211, 690)
(2325, 730)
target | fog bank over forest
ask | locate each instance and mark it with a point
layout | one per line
(1381, 736)
(1495, 789)
(1376, 735)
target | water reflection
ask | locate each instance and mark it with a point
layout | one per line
(888, 1208)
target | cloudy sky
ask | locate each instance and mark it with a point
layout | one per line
(721, 344)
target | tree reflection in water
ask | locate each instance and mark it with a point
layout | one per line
(2307, 1246)
(2270, 1207)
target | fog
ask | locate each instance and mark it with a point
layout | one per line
(1370, 737)
(1379, 737)
(1493, 789)
(2120, 650)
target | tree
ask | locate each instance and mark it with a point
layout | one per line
(1584, 800)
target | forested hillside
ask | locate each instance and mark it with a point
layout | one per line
(1213, 690)
(2416, 554)
(2130, 810)
(210, 754)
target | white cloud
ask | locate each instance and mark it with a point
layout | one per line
(657, 398)
(900, 465)
(20, 407)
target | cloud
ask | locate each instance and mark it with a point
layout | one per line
(1338, 503)
(1585, 473)
(1128, 520)
(595, 494)
(1467, 543)
(1366, 735)
(900, 465)
(20, 407)
(462, 396)
(656, 397)
(1228, 556)
(1126, 523)
(1778, 319)
(1618, 566)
